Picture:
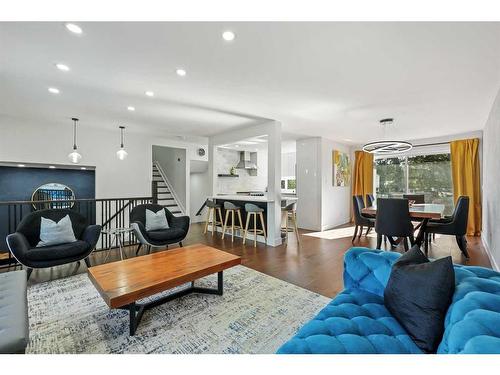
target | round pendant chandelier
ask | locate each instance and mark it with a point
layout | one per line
(387, 146)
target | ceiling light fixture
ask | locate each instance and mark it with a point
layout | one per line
(387, 147)
(83, 168)
(74, 28)
(74, 156)
(149, 93)
(62, 67)
(121, 153)
(53, 90)
(52, 167)
(181, 72)
(21, 165)
(228, 36)
(130, 108)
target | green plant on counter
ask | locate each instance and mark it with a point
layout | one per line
(232, 172)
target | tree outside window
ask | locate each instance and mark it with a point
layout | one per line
(422, 174)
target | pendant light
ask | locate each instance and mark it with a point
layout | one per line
(121, 153)
(74, 156)
(389, 146)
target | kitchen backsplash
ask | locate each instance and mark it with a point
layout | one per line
(225, 159)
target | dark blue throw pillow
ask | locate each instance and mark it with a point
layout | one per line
(418, 295)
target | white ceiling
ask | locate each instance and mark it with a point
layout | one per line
(319, 79)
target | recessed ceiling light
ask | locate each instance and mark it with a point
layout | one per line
(181, 72)
(149, 93)
(52, 167)
(74, 28)
(83, 168)
(21, 165)
(130, 108)
(62, 67)
(53, 90)
(228, 35)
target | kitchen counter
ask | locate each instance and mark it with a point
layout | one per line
(249, 198)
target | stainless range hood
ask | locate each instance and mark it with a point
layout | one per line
(245, 161)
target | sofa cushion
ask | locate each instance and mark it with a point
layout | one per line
(13, 312)
(355, 322)
(418, 295)
(472, 323)
(62, 251)
(165, 234)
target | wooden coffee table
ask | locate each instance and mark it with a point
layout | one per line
(121, 284)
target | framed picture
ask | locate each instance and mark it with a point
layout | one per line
(341, 165)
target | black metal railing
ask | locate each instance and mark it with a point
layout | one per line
(109, 213)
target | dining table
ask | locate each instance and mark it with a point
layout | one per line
(422, 212)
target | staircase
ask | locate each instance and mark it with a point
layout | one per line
(165, 194)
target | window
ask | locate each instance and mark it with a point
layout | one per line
(421, 174)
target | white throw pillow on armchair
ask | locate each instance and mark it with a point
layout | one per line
(52, 233)
(156, 221)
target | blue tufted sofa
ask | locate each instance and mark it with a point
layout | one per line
(356, 320)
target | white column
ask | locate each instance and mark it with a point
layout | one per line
(274, 185)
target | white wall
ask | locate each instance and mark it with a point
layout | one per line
(23, 141)
(199, 191)
(175, 166)
(288, 161)
(320, 206)
(309, 183)
(225, 159)
(491, 184)
(335, 200)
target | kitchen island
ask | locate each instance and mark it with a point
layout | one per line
(239, 200)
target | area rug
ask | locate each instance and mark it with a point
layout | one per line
(256, 314)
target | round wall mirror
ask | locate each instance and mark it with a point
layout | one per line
(54, 195)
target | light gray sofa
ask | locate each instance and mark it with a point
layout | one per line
(13, 312)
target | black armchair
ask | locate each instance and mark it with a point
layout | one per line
(360, 220)
(454, 225)
(22, 243)
(177, 231)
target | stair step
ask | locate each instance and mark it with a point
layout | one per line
(166, 199)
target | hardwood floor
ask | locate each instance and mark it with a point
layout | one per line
(316, 264)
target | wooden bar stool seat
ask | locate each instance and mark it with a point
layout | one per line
(232, 210)
(253, 211)
(289, 213)
(213, 209)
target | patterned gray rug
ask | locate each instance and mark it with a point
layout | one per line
(256, 314)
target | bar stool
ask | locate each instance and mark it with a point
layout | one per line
(231, 209)
(253, 210)
(289, 213)
(213, 208)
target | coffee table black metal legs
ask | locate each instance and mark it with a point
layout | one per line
(136, 310)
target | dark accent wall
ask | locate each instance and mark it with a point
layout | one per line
(18, 184)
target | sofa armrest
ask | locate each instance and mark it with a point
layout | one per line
(140, 232)
(368, 269)
(18, 246)
(91, 235)
(181, 222)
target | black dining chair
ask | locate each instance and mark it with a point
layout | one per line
(454, 225)
(393, 220)
(416, 198)
(370, 200)
(360, 220)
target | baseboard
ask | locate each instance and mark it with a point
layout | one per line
(493, 262)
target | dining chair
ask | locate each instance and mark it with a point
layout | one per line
(393, 220)
(454, 225)
(416, 198)
(370, 200)
(360, 220)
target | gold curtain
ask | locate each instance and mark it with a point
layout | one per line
(466, 179)
(362, 182)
